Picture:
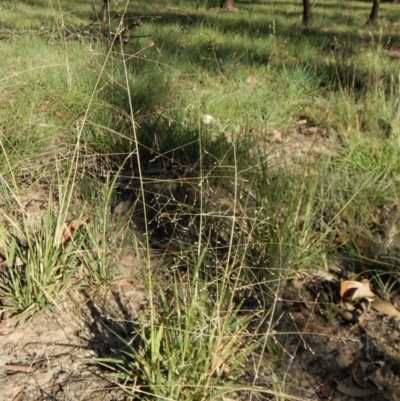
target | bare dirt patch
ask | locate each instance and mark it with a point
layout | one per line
(303, 143)
(47, 358)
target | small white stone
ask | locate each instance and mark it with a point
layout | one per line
(207, 119)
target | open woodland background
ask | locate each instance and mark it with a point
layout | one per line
(199, 204)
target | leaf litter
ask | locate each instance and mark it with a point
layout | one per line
(354, 340)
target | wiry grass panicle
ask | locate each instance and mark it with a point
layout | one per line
(228, 149)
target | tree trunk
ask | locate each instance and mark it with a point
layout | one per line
(227, 4)
(104, 15)
(306, 12)
(373, 17)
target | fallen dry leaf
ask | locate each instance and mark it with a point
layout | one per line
(327, 384)
(342, 239)
(19, 396)
(353, 391)
(385, 307)
(351, 290)
(68, 230)
(355, 368)
(277, 135)
(60, 115)
(18, 368)
(219, 366)
(300, 122)
(346, 315)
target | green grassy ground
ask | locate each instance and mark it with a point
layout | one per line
(68, 97)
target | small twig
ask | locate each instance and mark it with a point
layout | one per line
(19, 368)
(8, 32)
(18, 397)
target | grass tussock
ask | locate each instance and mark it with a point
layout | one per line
(234, 149)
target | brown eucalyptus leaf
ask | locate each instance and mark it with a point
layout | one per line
(385, 307)
(353, 391)
(346, 315)
(19, 368)
(66, 231)
(352, 290)
(346, 305)
(327, 384)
